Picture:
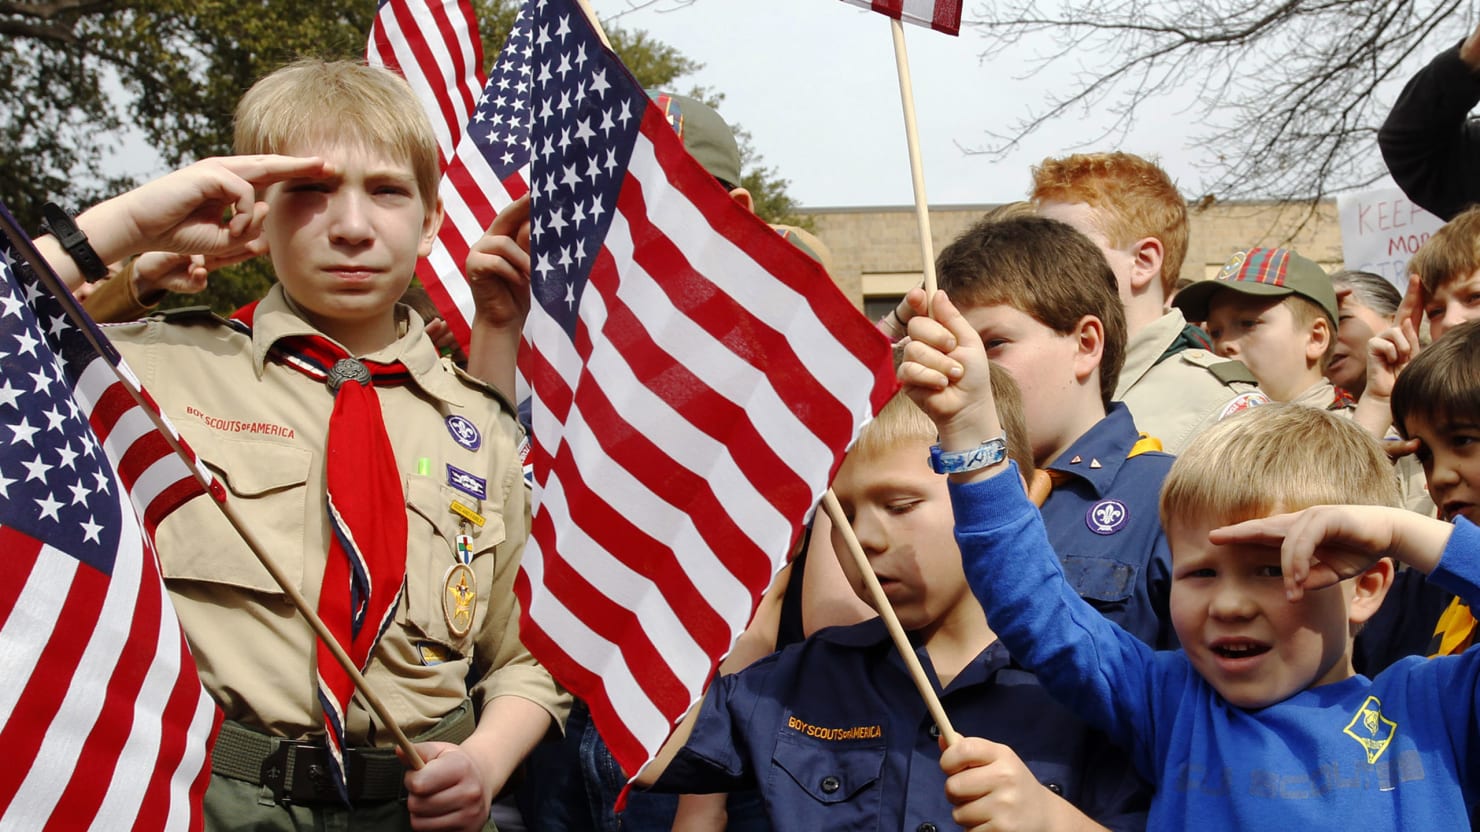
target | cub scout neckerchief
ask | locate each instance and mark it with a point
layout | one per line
(1455, 631)
(366, 567)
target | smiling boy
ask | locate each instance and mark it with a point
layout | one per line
(342, 439)
(1259, 720)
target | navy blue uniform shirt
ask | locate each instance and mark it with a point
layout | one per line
(835, 736)
(1103, 524)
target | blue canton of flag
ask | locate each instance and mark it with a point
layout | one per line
(53, 482)
(500, 125)
(101, 703)
(695, 379)
(580, 161)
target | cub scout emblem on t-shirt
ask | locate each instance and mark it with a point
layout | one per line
(1371, 729)
(1106, 517)
(464, 433)
(473, 486)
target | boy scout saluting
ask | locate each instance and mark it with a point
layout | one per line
(355, 455)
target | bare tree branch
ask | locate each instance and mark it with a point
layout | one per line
(1290, 94)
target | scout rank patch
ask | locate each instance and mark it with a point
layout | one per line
(460, 584)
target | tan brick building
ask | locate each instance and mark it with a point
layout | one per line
(876, 251)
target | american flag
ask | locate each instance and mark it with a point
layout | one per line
(695, 378)
(485, 164)
(103, 721)
(940, 15)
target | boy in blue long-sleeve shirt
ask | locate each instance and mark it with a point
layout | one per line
(1259, 719)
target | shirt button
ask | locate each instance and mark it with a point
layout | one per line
(1056, 789)
(830, 784)
(934, 731)
(925, 827)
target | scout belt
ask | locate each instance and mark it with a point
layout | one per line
(299, 773)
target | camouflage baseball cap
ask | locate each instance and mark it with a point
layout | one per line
(1265, 272)
(706, 136)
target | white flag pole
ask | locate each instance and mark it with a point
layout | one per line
(917, 168)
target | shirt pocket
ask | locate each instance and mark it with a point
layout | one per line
(1100, 580)
(827, 784)
(267, 484)
(431, 550)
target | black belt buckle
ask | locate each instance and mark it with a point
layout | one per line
(299, 772)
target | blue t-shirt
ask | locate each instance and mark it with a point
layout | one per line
(1103, 523)
(1392, 752)
(834, 735)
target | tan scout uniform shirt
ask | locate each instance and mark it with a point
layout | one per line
(261, 427)
(1183, 395)
(1322, 394)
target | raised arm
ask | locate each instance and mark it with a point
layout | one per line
(1431, 149)
(210, 207)
(1081, 658)
(498, 276)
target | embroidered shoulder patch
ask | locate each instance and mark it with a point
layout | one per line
(1243, 402)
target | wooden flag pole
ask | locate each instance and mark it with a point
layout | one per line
(595, 24)
(79, 319)
(891, 621)
(917, 168)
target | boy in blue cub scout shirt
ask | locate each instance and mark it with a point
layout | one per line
(833, 732)
(1259, 720)
(1047, 306)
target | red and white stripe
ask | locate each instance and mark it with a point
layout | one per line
(156, 478)
(940, 15)
(435, 44)
(679, 441)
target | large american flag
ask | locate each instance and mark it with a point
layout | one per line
(103, 722)
(435, 44)
(696, 380)
(940, 15)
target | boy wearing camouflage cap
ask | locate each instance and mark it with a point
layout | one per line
(1276, 312)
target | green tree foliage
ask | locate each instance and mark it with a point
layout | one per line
(76, 73)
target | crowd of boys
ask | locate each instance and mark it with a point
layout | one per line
(1195, 597)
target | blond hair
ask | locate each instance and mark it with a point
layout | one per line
(310, 104)
(1133, 197)
(1452, 253)
(901, 420)
(1276, 458)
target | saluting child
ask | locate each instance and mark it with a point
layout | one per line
(1259, 720)
(342, 438)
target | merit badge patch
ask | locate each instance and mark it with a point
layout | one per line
(1106, 517)
(464, 433)
(469, 484)
(1243, 402)
(1373, 731)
